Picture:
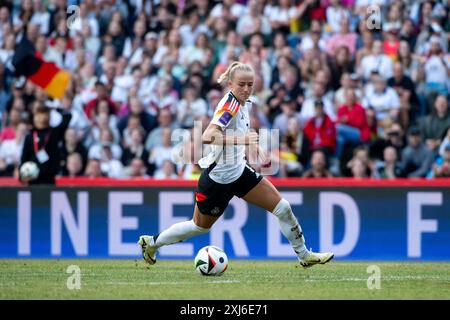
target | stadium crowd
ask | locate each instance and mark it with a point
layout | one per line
(357, 88)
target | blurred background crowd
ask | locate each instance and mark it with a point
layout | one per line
(357, 88)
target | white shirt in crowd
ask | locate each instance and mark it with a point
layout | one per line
(381, 63)
(335, 15)
(278, 14)
(96, 151)
(246, 23)
(436, 69)
(11, 151)
(112, 168)
(188, 36)
(307, 111)
(237, 10)
(307, 43)
(382, 102)
(159, 154)
(134, 57)
(42, 19)
(187, 113)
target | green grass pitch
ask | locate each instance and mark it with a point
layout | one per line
(177, 279)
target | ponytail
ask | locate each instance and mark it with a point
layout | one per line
(232, 68)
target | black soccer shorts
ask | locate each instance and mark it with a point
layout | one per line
(212, 198)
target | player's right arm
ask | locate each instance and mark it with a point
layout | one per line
(214, 134)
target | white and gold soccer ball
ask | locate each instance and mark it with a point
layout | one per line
(29, 170)
(211, 261)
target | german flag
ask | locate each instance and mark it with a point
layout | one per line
(44, 74)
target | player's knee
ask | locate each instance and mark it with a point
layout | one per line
(282, 209)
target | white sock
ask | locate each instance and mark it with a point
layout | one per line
(177, 233)
(290, 227)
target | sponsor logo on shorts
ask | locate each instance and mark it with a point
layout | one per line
(200, 197)
(216, 210)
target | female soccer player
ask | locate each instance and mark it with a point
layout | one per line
(228, 174)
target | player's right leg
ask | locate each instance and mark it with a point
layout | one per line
(266, 196)
(178, 232)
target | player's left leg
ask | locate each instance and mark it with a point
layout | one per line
(266, 196)
(178, 232)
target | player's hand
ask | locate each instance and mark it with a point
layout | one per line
(251, 138)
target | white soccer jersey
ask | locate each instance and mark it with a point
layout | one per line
(234, 119)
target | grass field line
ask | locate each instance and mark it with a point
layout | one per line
(158, 283)
(309, 279)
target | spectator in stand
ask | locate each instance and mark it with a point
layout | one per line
(405, 88)
(341, 64)
(288, 110)
(445, 142)
(74, 165)
(154, 139)
(351, 124)
(320, 130)
(136, 169)
(167, 171)
(393, 136)
(358, 169)
(336, 12)
(436, 65)
(106, 139)
(163, 152)
(11, 151)
(93, 169)
(292, 150)
(190, 30)
(318, 166)
(135, 149)
(344, 38)
(435, 125)
(348, 81)
(134, 123)
(365, 46)
(383, 99)
(102, 95)
(73, 144)
(135, 107)
(389, 168)
(110, 166)
(441, 168)
(377, 61)
(253, 21)
(308, 107)
(360, 165)
(417, 158)
(281, 15)
(13, 120)
(163, 98)
(190, 108)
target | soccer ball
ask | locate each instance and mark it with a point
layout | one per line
(211, 261)
(29, 170)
